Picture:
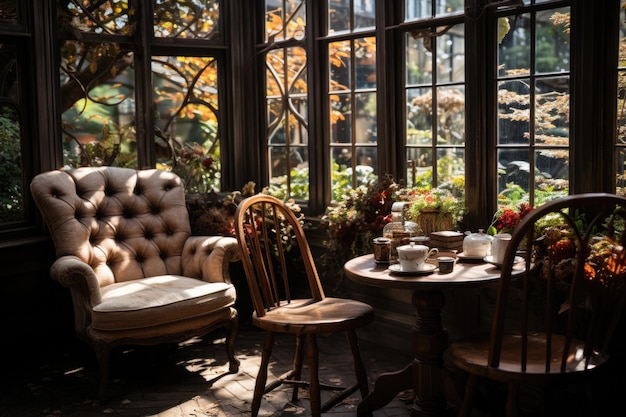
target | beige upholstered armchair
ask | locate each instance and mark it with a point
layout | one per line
(124, 248)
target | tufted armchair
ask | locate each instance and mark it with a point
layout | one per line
(136, 275)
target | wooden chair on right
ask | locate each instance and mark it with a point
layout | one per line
(553, 326)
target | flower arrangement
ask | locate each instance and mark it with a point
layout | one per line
(506, 218)
(556, 257)
(361, 216)
(363, 213)
(447, 207)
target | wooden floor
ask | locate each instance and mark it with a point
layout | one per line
(59, 380)
(179, 381)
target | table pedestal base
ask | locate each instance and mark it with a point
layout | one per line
(425, 374)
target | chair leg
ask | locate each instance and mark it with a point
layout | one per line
(261, 379)
(314, 388)
(297, 365)
(232, 330)
(359, 366)
(468, 397)
(511, 400)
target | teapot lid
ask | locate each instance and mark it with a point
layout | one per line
(411, 246)
(480, 236)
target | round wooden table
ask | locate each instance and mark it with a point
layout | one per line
(426, 374)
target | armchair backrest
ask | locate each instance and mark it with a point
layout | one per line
(126, 224)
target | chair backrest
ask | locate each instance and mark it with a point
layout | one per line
(275, 254)
(126, 224)
(574, 289)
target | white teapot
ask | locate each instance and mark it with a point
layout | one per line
(477, 244)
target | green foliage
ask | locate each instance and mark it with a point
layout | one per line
(11, 201)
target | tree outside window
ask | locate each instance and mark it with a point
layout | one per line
(104, 76)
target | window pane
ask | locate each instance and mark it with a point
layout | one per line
(551, 174)
(339, 16)
(450, 164)
(109, 17)
(451, 116)
(513, 111)
(340, 66)
(451, 55)
(514, 45)
(366, 118)
(418, 9)
(186, 102)
(9, 11)
(284, 19)
(364, 14)
(552, 111)
(340, 118)
(552, 41)
(98, 122)
(365, 63)
(513, 172)
(419, 116)
(444, 7)
(418, 61)
(192, 20)
(420, 167)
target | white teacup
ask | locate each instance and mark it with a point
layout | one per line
(413, 257)
(499, 245)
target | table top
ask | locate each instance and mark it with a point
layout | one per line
(364, 270)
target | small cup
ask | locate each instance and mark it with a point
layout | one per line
(382, 250)
(446, 264)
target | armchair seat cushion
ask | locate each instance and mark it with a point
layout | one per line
(154, 301)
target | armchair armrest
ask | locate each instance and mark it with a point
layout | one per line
(80, 278)
(73, 273)
(208, 257)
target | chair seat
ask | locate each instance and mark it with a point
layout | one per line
(471, 355)
(154, 301)
(307, 316)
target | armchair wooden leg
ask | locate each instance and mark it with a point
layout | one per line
(314, 388)
(261, 379)
(102, 356)
(231, 335)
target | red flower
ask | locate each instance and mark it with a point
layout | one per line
(207, 162)
(507, 220)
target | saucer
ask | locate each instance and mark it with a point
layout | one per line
(397, 269)
(489, 259)
(462, 256)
